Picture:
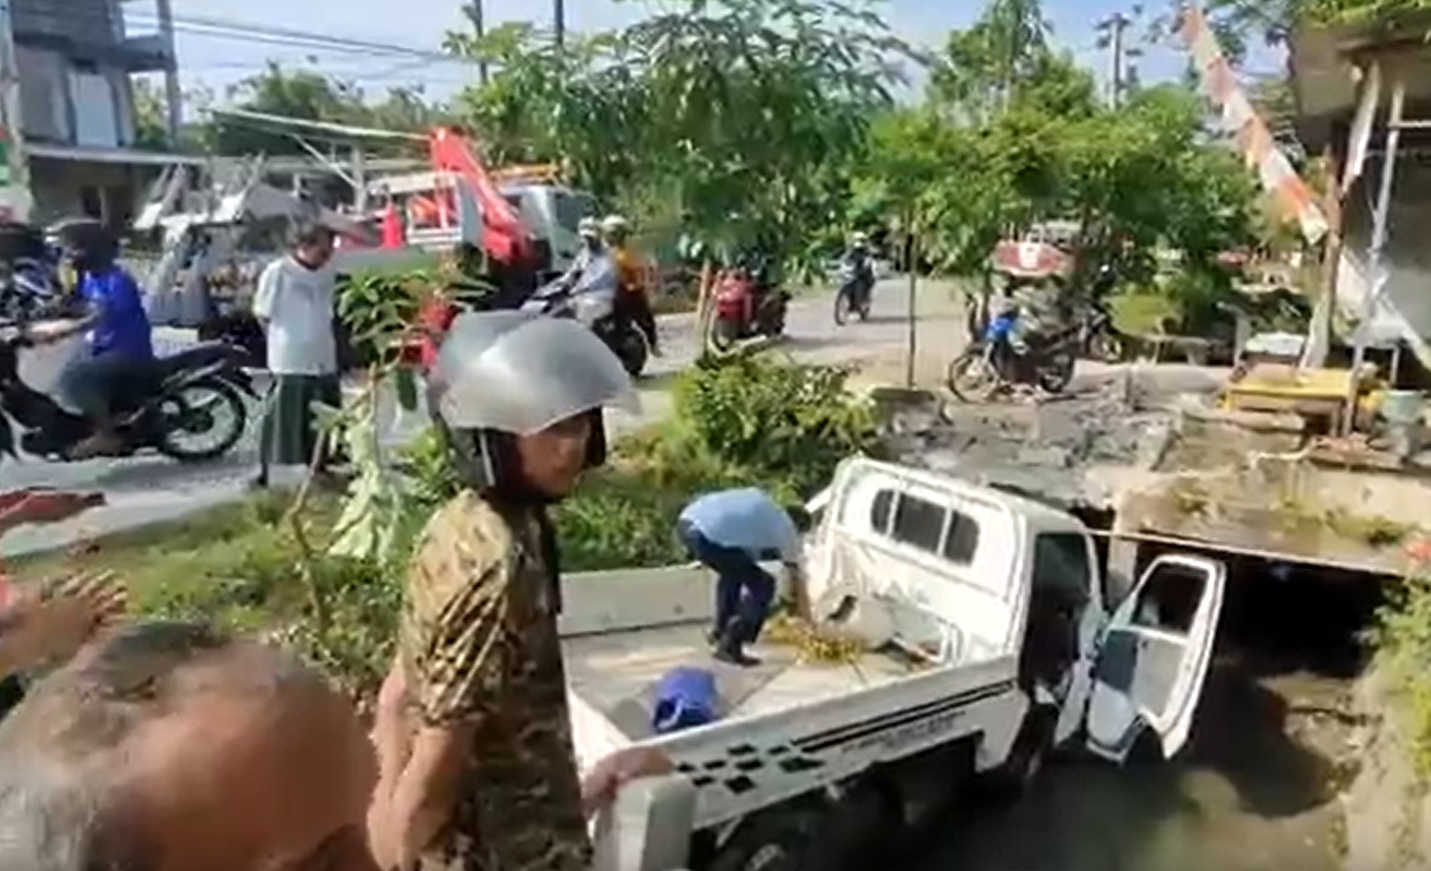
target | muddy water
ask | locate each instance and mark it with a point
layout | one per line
(1257, 790)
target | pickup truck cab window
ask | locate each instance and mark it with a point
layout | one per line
(918, 523)
(931, 527)
(1168, 602)
(1061, 563)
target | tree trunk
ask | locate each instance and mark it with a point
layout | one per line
(705, 308)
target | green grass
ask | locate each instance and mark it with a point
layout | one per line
(235, 564)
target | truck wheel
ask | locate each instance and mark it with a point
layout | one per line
(859, 830)
(781, 839)
(1026, 758)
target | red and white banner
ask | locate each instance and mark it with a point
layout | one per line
(1254, 140)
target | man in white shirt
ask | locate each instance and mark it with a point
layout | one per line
(294, 304)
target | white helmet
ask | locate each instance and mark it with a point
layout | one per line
(614, 224)
(518, 373)
(859, 239)
(588, 228)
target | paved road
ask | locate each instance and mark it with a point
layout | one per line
(148, 489)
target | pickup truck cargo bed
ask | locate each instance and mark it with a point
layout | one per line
(616, 673)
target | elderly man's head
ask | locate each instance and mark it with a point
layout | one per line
(170, 747)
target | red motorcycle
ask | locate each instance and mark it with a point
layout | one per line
(744, 308)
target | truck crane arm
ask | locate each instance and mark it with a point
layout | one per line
(504, 237)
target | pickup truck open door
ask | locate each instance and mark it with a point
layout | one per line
(1154, 656)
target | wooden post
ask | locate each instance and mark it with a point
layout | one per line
(704, 308)
(912, 264)
(1324, 319)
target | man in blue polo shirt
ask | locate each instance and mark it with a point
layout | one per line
(120, 336)
(731, 532)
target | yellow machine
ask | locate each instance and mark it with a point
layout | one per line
(1316, 394)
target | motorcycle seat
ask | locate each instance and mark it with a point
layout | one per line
(199, 355)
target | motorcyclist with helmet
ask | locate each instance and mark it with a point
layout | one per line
(592, 248)
(120, 336)
(472, 730)
(633, 299)
(861, 263)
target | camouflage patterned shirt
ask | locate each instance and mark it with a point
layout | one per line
(480, 646)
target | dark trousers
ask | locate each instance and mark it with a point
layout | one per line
(289, 434)
(638, 308)
(91, 382)
(744, 590)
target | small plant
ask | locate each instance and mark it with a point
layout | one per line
(1402, 640)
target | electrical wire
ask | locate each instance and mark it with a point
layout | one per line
(58, 19)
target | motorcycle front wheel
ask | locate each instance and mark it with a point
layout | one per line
(842, 307)
(201, 421)
(1056, 374)
(631, 348)
(1105, 348)
(973, 378)
(725, 332)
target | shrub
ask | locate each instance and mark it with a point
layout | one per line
(1402, 640)
(785, 423)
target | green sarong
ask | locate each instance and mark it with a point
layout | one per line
(289, 433)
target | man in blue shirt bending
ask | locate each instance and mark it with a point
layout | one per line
(731, 532)
(120, 337)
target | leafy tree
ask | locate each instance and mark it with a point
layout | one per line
(744, 111)
(1241, 23)
(987, 67)
(310, 96)
(151, 125)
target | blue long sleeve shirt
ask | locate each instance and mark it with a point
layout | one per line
(746, 519)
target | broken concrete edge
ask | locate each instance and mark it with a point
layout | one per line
(100, 524)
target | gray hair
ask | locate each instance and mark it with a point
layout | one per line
(57, 795)
(50, 817)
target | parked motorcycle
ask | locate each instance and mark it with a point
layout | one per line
(29, 272)
(855, 294)
(996, 363)
(596, 309)
(1099, 339)
(744, 309)
(196, 394)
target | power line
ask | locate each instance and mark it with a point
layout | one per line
(223, 28)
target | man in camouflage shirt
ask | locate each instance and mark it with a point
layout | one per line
(476, 765)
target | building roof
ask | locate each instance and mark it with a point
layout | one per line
(1324, 65)
(126, 156)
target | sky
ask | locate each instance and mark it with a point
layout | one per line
(214, 63)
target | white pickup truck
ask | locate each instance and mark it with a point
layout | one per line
(998, 646)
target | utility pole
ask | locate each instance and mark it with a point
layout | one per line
(1112, 29)
(479, 29)
(559, 21)
(1121, 72)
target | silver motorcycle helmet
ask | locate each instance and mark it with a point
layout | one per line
(504, 374)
